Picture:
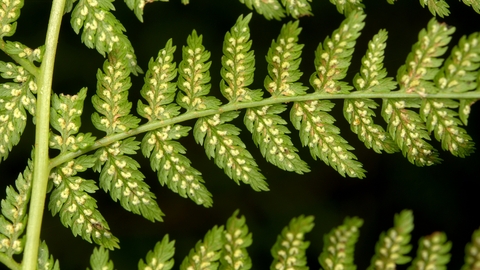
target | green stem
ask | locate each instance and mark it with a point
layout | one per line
(41, 159)
(31, 68)
(238, 106)
(9, 262)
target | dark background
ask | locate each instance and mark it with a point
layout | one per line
(443, 197)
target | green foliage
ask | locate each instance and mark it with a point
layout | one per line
(393, 245)
(433, 97)
(339, 245)
(472, 252)
(288, 252)
(432, 252)
(99, 260)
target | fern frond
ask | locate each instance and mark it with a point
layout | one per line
(458, 74)
(111, 98)
(270, 9)
(475, 4)
(138, 5)
(406, 126)
(13, 219)
(166, 155)
(25, 52)
(283, 63)
(194, 78)
(270, 135)
(99, 259)
(45, 260)
(339, 245)
(9, 13)
(238, 64)
(121, 178)
(439, 7)
(392, 246)
(236, 238)
(359, 112)
(267, 127)
(78, 210)
(221, 142)
(161, 257)
(102, 31)
(472, 252)
(297, 8)
(311, 118)
(432, 253)
(15, 99)
(347, 7)
(289, 250)
(206, 253)
(65, 118)
(422, 63)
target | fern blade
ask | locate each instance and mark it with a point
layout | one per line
(392, 246)
(206, 253)
(99, 260)
(269, 9)
(161, 257)
(289, 250)
(297, 9)
(339, 245)
(236, 238)
(472, 255)
(269, 133)
(433, 252)
(221, 142)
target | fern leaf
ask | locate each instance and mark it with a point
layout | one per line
(422, 62)
(236, 239)
(13, 219)
(23, 51)
(359, 112)
(270, 135)
(472, 252)
(111, 99)
(404, 125)
(392, 246)
(222, 143)
(78, 210)
(121, 178)
(45, 261)
(289, 250)
(347, 7)
(270, 9)
(465, 107)
(339, 245)
(166, 155)
(475, 4)
(283, 63)
(432, 253)
(311, 118)
(9, 13)
(267, 127)
(206, 253)
(297, 8)
(119, 172)
(238, 64)
(458, 74)
(16, 99)
(65, 118)
(99, 260)
(439, 7)
(194, 79)
(138, 5)
(102, 31)
(161, 257)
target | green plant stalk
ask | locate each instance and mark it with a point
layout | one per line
(65, 157)
(41, 159)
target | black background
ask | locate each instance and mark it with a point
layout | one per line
(443, 197)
